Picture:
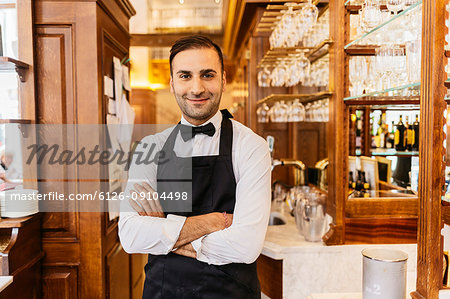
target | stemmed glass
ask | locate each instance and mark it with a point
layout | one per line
(395, 5)
(264, 77)
(370, 15)
(309, 14)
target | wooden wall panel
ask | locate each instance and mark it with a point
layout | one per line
(138, 262)
(380, 231)
(270, 275)
(60, 282)
(55, 91)
(118, 274)
(310, 143)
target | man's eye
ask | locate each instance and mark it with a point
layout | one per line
(185, 76)
(209, 75)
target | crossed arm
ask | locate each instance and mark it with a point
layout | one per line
(194, 227)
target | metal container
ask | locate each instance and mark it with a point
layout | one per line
(384, 273)
(313, 221)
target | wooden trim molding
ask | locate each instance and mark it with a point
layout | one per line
(431, 153)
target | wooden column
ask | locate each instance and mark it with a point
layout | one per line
(431, 153)
(338, 124)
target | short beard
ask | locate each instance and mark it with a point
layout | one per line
(191, 113)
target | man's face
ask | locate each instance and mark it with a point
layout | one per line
(197, 83)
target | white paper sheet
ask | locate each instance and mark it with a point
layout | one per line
(112, 106)
(117, 84)
(109, 86)
(126, 77)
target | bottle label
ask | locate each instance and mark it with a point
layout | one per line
(397, 137)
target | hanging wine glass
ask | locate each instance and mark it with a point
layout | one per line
(264, 77)
(309, 14)
(303, 66)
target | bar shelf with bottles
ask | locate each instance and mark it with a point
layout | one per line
(387, 138)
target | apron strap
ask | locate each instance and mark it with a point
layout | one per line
(226, 136)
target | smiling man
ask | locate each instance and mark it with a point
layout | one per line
(207, 249)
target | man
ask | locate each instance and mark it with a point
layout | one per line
(208, 252)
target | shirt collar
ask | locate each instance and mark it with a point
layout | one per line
(216, 120)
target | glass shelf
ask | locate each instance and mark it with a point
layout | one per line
(413, 89)
(382, 152)
(304, 98)
(384, 24)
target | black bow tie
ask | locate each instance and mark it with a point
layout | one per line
(188, 132)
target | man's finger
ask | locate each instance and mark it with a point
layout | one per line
(147, 187)
(136, 207)
(143, 195)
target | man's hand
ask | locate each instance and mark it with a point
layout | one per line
(198, 226)
(186, 250)
(148, 203)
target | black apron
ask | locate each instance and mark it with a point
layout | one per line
(213, 190)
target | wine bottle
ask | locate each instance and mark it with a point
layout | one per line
(415, 146)
(399, 137)
(409, 136)
(365, 185)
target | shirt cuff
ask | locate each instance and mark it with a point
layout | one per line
(171, 230)
(197, 244)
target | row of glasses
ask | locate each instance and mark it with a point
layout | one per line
(399, 31)
(293, 24)
(319, 32)
(392, 66)
(319, 74)
(294, 111)
(287, 71)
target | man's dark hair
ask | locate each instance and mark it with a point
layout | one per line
(194, 42)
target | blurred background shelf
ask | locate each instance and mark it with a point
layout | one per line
(11, 64)
(304, 98)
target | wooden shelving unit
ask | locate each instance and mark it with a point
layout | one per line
(312, 54)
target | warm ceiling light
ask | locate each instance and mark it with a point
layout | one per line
(181, 1)
(217, 1)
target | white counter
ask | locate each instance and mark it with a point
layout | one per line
(314, 268)
(5, 281)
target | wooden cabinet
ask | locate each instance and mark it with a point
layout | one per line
(75, 44)
(21, 256)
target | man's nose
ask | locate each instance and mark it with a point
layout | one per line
(197, 87)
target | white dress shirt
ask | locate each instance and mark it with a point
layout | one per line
(242, 242)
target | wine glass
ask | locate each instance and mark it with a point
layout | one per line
(309, 14)
(370, 14)
(395, 5)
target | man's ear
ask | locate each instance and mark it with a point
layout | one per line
(171, 85)
(224, 81)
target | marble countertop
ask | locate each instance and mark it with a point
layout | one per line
(5, 281)
(284, 239)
